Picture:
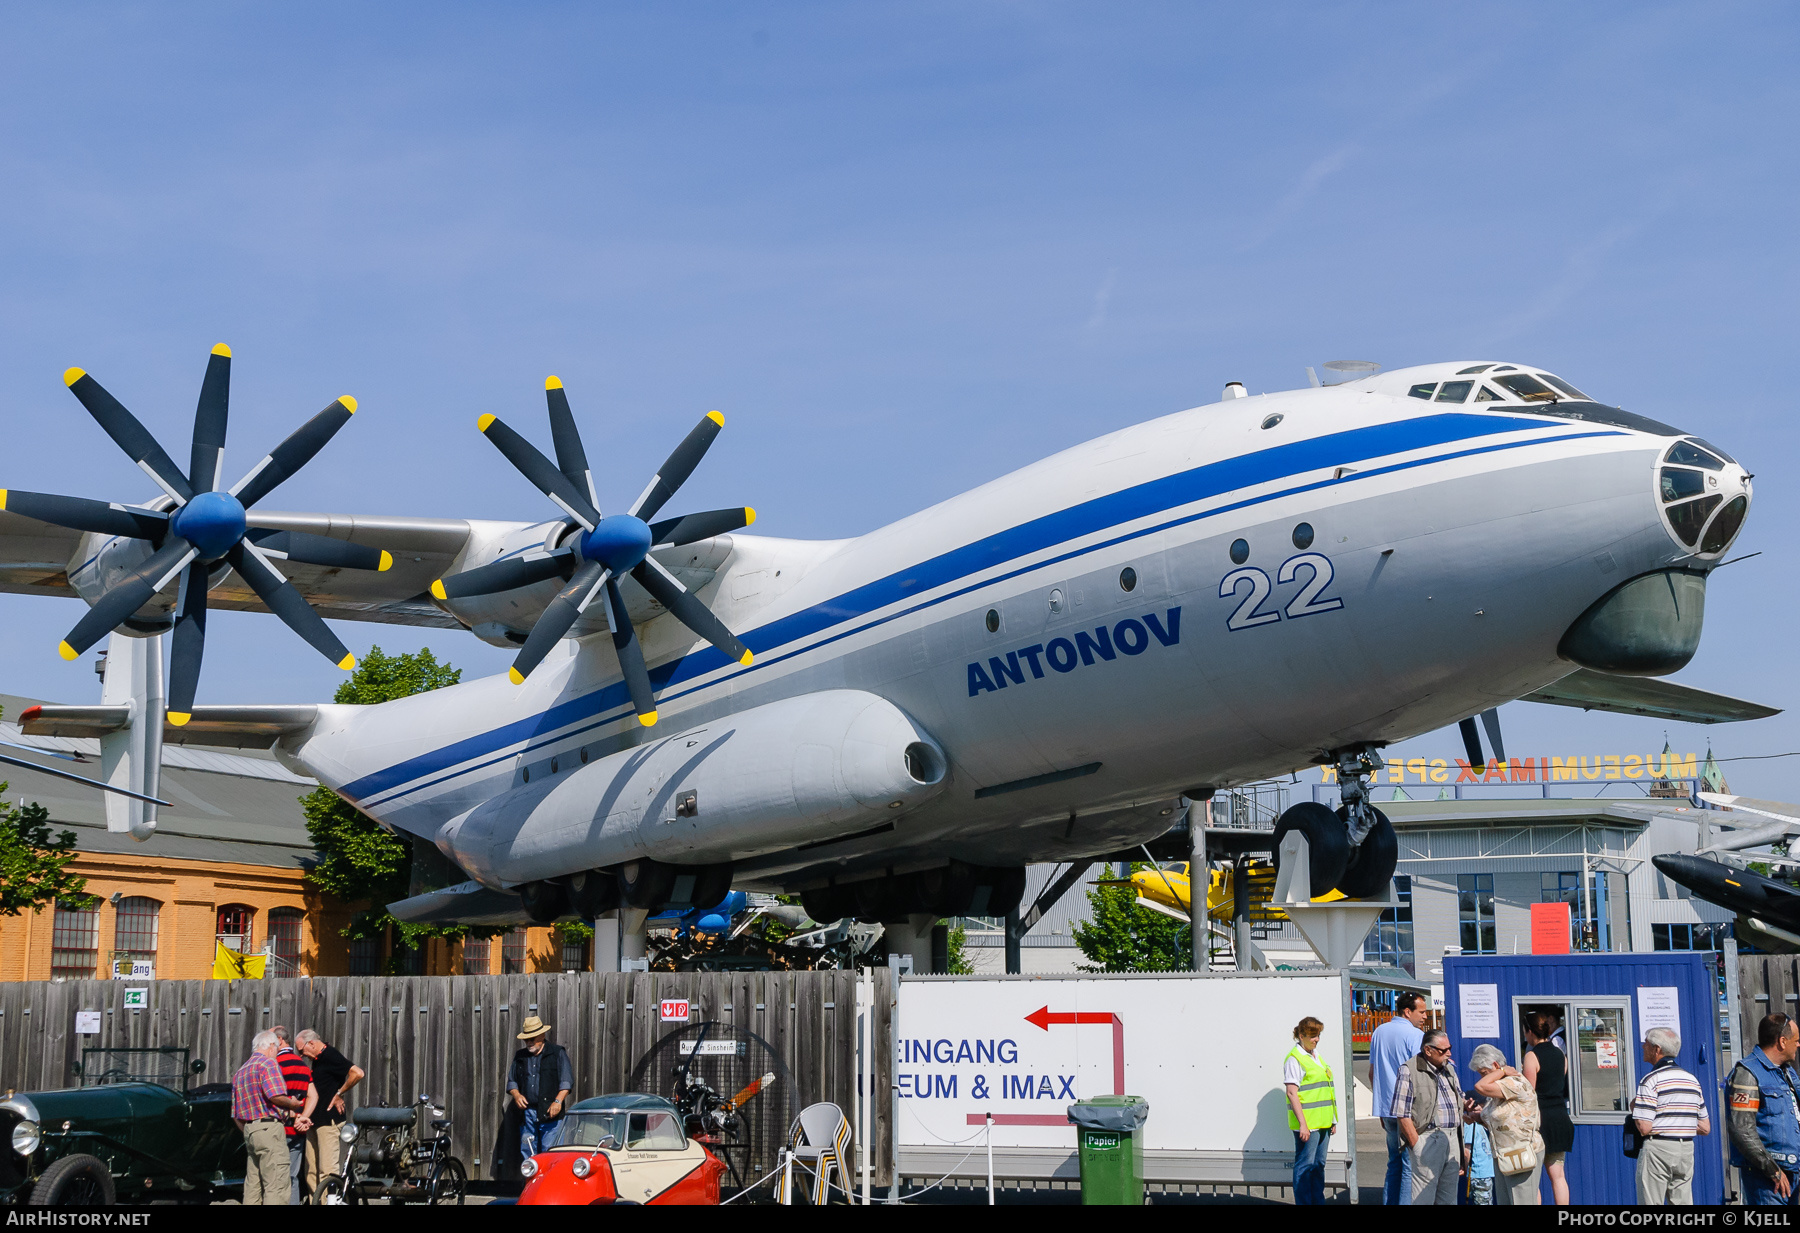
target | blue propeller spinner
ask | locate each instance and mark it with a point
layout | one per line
(206, 528)
(607, 548)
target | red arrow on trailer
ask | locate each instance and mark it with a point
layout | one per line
(1043, 1017)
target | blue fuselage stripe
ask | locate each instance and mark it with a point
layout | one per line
(1026, 539)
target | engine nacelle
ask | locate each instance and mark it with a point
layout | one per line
(791, 772)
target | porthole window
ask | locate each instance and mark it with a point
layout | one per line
(993, 621)
(553, 767)
(1128, 579)
(528, 774)
(584, 754)
(1273, 420)
(1240, 551)
(1303, 535)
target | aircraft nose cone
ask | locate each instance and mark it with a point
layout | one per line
(620, 542)
(212, 522)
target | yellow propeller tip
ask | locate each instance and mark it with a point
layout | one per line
(387, 562)
(716, 418)
(747, 659)
(225, 351)
(72, 375)
(512, 674)
(484, 421)
(749, 516)
(180, 718)
(553, 383)
(437, 588)
(648, 719)
(347, 662)
(67, 651)
(349, 403)
(2, 498)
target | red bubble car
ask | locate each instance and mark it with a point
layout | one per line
(627, 1148)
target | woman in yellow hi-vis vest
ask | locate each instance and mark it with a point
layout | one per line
(1312, 1110)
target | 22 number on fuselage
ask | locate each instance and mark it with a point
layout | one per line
(1308, 602)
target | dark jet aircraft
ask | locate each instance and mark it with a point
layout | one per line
(1768, 911)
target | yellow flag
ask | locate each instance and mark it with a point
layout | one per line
(228, 964)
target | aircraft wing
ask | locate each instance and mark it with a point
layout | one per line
(35, 558)
(229, 727)
(1634, 695)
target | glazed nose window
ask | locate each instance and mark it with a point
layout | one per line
(1679, 483)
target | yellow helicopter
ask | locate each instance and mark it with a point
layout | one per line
(1167, 888)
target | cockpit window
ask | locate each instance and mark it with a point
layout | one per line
(1564, 386)
(1484, 394)
(1179, 867)
(1528, 388)
(1455, 391)
(1725, 525)
(1688, 519)
(1600, 413)
(1506, 368)
(1688, 454)
(1679, 482)
(1463, 372)
(1422, 391)
(1715, 449)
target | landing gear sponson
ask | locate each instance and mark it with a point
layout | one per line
(1353, 849)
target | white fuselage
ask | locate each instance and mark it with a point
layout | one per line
(1450, 547)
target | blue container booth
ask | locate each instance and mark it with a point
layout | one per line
(1603, 1001)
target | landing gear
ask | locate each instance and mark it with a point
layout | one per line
(545, 902)
(1354, 849)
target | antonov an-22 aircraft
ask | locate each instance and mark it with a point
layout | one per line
(1048, 667)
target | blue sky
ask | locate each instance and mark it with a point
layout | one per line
(904, 247)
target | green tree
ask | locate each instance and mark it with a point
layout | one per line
(358, 860)
(1123, 937)
(959, 962)
(34, 867)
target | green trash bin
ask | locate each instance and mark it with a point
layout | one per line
(1109, 1137)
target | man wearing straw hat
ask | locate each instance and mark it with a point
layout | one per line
(539, 1083)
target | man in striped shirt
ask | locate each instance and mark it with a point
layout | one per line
(1670, 1109)
(298, 1075)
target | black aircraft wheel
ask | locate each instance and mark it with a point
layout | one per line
(711, 886)
(448, 1183)
(828, 904)
(1326, 839)
(75, 1181)
(998, 891)
(545, 902)
(948, 891)
(1371, 862)
(645, 884)
(593, 893)
(880, 899)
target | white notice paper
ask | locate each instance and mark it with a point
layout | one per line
(1478, 1011)
(87, 1022)
(1658, 1006)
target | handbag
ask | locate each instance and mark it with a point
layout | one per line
(1518, 1147)
(1634, 1142)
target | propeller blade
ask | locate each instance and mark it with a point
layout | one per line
(294, 453)
(81, 514)
(538, 469)
(128, 594)
(503, 575)
(1472, 745)
(687, 529)
(209, 422)
(320, 550)
(288, 604)
(559, 615)
(631, 656)
(1490, 719)
(571, 458)
(748, 1092)
(132, 437)
(92, 783)
(189, 642)
(689, 611)
(680, 465)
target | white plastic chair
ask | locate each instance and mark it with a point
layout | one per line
(819, 1138)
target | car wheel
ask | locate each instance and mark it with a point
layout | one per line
(448, 1183)
(75, 1181)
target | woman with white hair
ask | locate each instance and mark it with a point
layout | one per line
(1511, 1116)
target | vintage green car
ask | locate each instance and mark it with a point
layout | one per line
(135, 1131)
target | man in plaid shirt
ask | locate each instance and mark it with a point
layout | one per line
(258, 1095)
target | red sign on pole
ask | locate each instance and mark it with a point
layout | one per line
(1549, 928)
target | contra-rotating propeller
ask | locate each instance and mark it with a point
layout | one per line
(606, 548)
(205, 526)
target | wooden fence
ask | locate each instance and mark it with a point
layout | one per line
(453, 1036)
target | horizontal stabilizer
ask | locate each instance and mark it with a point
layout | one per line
(1751, 837)
(1633, 695)
(233, 727)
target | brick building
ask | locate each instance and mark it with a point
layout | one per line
(227, 864)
